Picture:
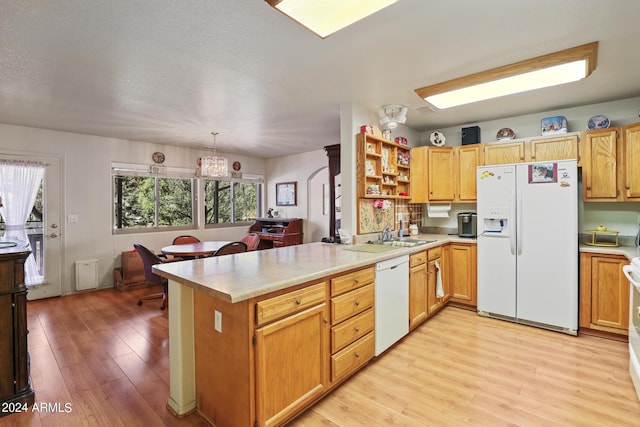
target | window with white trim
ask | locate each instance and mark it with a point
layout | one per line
(232, 201)
(146, 201)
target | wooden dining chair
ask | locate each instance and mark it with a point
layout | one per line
(185, 239)
(251, 240)
(231, 248)
(149, 259)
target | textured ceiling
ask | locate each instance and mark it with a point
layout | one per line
(170, 72)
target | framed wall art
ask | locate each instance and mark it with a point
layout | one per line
(286, 194)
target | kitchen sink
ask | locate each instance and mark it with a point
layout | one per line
(406, 242)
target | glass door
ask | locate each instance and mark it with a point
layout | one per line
(43, 229)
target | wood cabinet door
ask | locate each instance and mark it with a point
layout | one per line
(503, 153)
(462, 273)
(599, 170)
(417, 295)
(562, 148)
(292, 359)
(468, 159)
(632, 162)
(441, 172)
(609, 292)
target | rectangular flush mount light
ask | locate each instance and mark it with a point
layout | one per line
(325, 17)
(556, 68)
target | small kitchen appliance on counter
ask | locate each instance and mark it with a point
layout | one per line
(467, 224)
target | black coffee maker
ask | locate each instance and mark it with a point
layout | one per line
(467, 224)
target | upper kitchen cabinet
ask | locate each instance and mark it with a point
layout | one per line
(441, 172)
(563, 147)
(383, 168)
(468, 158)
(547, 149)
(504, 152)
(599, 165)
(445, 174)
(631, 136)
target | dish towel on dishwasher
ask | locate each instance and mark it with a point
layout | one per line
(439, 290)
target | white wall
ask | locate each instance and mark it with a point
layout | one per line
(352, 116)
(623, 217)
(620, 113)
(87, 192)
(300, 168)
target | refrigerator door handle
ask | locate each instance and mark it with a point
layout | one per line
(519, 223)
(512, 237)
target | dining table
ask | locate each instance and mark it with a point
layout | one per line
(194, 250)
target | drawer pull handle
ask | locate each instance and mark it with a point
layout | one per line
(357, 280)
(357, 354)
(298, 302)
(356, 329)
(357, 302)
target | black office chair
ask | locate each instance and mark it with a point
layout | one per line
(150, 259)
(231, 248)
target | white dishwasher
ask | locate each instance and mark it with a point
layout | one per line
(391, 302)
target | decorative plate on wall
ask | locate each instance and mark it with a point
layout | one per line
(598, 122)
(505, 133)
(555, 124)
(158, 157)
(437, 139)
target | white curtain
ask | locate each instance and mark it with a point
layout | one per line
(19, 184)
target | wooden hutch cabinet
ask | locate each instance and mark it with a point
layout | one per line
(15, 383)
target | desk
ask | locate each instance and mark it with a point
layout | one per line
(200, 249)
(277, 232)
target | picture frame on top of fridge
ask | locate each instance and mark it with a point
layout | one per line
(543, 173)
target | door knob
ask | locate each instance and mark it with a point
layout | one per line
(53, 235)
(54, 225)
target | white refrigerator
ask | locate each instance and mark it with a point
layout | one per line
(528, 243)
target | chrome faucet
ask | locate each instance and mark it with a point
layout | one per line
(386, 234)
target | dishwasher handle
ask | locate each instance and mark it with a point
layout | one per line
(392, 263)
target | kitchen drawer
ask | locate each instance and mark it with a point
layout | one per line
(417, 259)
(286, 304)
(352, 357)
(350, 330)
(435, 253)
(347, 282)
(351, 303)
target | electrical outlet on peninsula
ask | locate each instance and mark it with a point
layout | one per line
(217, 321)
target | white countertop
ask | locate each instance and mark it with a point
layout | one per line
(238, 277)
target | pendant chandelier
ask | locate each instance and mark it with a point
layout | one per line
(214, 166)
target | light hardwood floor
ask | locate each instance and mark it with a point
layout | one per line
(105, 356)
(108, 358)
(460, 369)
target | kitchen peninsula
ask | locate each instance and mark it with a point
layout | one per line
(236, 323)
